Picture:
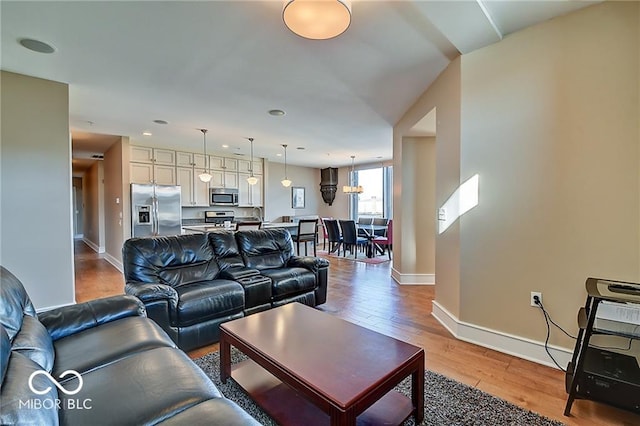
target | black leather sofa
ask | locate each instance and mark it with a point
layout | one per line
(190, 284)
(126, 370)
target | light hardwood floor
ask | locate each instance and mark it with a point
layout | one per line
(365, 294)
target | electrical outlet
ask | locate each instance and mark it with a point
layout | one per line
(536, 293)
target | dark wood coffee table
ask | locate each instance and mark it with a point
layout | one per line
(308, 367)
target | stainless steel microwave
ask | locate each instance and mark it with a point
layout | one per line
(223, 197)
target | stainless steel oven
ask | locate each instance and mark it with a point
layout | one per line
(223, 197)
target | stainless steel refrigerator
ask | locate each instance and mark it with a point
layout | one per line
(155, 210)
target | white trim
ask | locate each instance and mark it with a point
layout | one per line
(94, 247)
(113, 261)
(48, 308)
(518, 346)
(412, 279)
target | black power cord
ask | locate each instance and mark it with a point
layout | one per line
(548, 321)
(538, 302)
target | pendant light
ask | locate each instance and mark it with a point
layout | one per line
(205, 176)
(285, 182)
(252, 180)
(353, 189)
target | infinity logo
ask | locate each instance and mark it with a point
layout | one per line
(55, 382)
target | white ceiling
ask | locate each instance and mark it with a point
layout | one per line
(223, 65)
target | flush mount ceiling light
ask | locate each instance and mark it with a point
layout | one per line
(317, 19)
(285, 182)
(252, 180)
(205, 176)
(36, 45)
(353, 188)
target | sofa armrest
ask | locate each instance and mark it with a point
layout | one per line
(68, 320)
(314, 264)
(152, 292)
(236, 274)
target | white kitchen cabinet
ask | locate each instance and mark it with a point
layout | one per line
(223, 163)
(190, 159)
(144, 154)
(249, 195)
(152, 173)
(224, 179)
(244, 166)
(195, 193)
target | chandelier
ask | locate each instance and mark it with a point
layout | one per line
(353, 188)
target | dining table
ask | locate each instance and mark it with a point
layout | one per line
(370, 233)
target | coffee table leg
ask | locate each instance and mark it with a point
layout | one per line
(225, 358)
(417, 394)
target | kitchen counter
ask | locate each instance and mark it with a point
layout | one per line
(210, 227)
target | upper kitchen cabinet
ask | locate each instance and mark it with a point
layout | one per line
(143, 154)
(223, 163)
(244, 166)
(152, 173)
(189, 159)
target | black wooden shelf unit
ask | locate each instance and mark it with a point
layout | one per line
(598, 373)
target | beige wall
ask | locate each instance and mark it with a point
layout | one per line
(114, 202)
(279, 198)
(35, 177)
(420, 157)
(548, 119)
(93, 189)
(444, 96)
(550, 124)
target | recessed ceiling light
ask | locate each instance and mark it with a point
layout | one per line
(160, 122)
(379, 157)
(225, 146)
(301, 148)
(277, 112)
(278, 155)
(36, 45)
(147, 134)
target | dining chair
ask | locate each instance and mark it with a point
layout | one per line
(350, 239)
(364, 221)
(245, 226)
(333, 235)
(387, 241)
(380, 221)
(307, 233)
(325, 234)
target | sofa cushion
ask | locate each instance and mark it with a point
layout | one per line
(15, 393)
(15, 303)
(202, 301)
(107, 343)
(34, 342)
(142, 389)
(266, 248)
(288, 281)
(225, 249)
(5, 351)
(173, 260)
(217, 411)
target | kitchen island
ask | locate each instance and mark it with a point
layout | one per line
(200, 229)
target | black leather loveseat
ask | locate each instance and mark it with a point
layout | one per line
(192, 283)
(126, 370)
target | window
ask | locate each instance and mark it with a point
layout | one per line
(376, 199)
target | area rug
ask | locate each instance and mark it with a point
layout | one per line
(447, 402)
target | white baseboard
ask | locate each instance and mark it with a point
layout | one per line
(412, 279)
(94, 246)
(518, 346)
(112, 260)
